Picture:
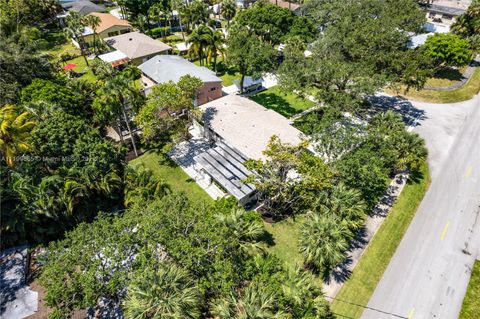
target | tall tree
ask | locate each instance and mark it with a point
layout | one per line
(169, 110)
(200, 38)
(468, 24)
(93, 22)
(117, 98)
(215, 46)
(15, 129)
(75, 29)
(447, 49)
(228, 10)
(250, 55)
(362, 48)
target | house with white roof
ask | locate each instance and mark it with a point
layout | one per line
(165, 68)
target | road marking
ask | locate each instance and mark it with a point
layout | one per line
(468, 172)
(410, 314)
(444, 231)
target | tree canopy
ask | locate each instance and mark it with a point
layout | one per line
(447, 49)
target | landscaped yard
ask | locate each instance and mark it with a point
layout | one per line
(368, 272)
(445, 77)
(284, 240)
(466, 92)
(163, 167)
(471, 302)
(285, 103)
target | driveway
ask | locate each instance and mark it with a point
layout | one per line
(429, 273)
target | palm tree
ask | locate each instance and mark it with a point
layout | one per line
(247, 233)
(116, 96)
(14, 132)
(93, 22)
(178, 6)
(323, 241)
(200, 38)
(256, 302)
(167, 292)
(141, 186)
(75, 29)
(229, 10)
(345, 203)
(215, 46)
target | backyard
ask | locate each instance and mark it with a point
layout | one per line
(281, 101)
(163, 167)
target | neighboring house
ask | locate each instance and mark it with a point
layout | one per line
(164, 68)
(83, 7)
(238, 129)
(295, 7)
(444, 15)
(137, 46)
(109, 26)
(244, 3)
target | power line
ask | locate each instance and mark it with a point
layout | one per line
(366, 307)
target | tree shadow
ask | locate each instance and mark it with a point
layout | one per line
(12, 275)
(410, 114)
(274, 102)
(448, 73)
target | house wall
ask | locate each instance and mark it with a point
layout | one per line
(140, 60)
(113, 31)
(208, 92)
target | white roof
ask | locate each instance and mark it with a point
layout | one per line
(87, 31)
(246, 125)
(183, 46)
(418, 40)
(112, 56)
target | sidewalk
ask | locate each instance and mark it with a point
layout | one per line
(340, 274)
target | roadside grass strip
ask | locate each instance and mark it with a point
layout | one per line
(357, 290)
(471, 302)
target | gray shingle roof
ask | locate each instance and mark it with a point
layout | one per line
(164, 68)
(136, 44)
(83, 7)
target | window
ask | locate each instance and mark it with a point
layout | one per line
(112, 34)
(213, 89)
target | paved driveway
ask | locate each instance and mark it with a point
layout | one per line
(429, 273)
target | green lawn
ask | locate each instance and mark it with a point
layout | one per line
(163, 167)
(471, 302)
(368, 272)
(224, 72)
(284, 240)
(285, 103)
(466, 92)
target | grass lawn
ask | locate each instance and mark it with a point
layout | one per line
(466, 92)
(284, 240)
(285, 103)
(368, 272)
(471, 302)
(445, 77)
(163, 167)
(224, 72)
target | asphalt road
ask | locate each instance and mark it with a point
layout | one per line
(430, 271)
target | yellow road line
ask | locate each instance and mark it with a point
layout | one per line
(410, 314)
(444, 231)
(468, 172)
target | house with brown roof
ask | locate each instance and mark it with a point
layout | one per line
(109, 26)
(286, 4)
(137, 47)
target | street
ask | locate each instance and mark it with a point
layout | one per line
(429, 273)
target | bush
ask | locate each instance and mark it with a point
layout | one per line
(158, 32)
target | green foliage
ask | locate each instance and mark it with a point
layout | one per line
(141, 186)
(362, 48)
(269, 22)
(101, 259)
(447, 49)
(323, 242)
(249, 54)
(20, 63)
(467, 25)
(289, 179)
(168, 111)
(158, 32)
(164, 292)
(101, 69)
(228, 10)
